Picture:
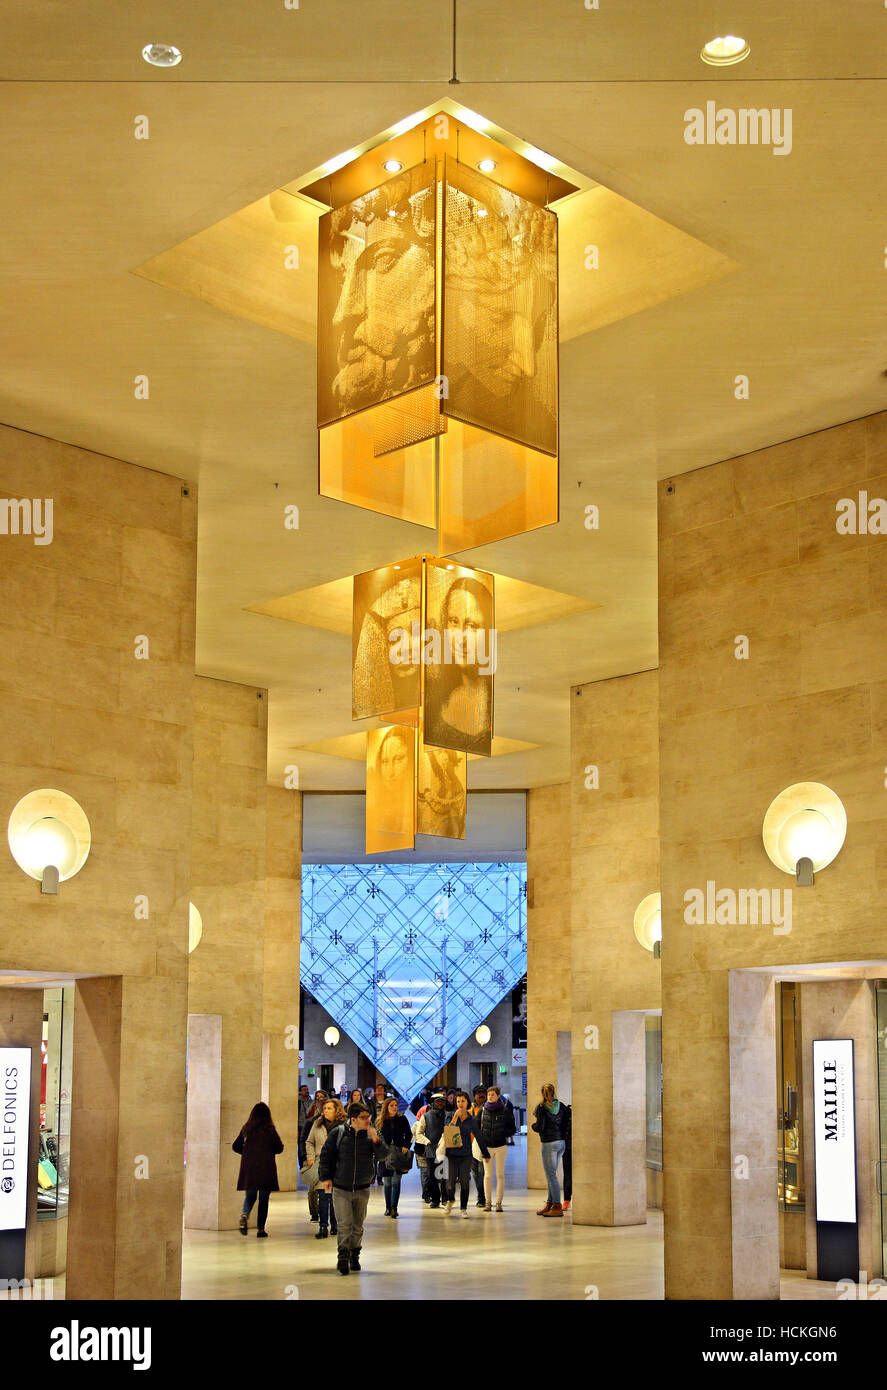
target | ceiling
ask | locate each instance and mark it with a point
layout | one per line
(647, 383)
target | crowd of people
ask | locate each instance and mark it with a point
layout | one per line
(350, 1142)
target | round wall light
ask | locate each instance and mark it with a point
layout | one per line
(806, 821)
(162, 55)
(725, 50)
(648, 922)
(49, 836)
(483, 1035)
(392, 166)
(195, 928)
(487, 166)
(331, 1037)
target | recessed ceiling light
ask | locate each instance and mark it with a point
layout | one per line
(161, 55)
(723, 51)
(392, 166)
(481, 212)
(487, 166)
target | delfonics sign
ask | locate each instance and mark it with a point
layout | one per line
(834, 1130)
(15, 1103)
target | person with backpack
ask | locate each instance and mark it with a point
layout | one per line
(395, 1130)
(456, 1146)
(333, 1114)
(497, 1127)
(258, 1144)
(550, 1124)
(346, 1168)
(429, 1131)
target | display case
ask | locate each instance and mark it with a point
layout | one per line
(55, 1104)
(789, 1118)
(653, 1044)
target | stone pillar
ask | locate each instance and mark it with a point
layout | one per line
(95, 1132)
(283, 897)
(21, 1025)
(548, 947)
(203, 1121)
(614, 865)
(754, 1097)
(226, 972)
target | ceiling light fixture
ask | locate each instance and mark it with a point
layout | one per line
(723, 51)
(392, 166)
(162, 55)
(487, 166)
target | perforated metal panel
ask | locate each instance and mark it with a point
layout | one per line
(386, 603)
(376, 295)
(499, 331)
(458, 704)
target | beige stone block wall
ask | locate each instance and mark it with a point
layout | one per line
(80, 713)
(749, 547)
(548, 946)
(226, 973)
(614, 864)
(283, 897)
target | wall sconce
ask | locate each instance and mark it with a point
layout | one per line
(195, 928)
(49, 837)
(482, 1035)
(331, 1037)
(648, 923)
(804, 829)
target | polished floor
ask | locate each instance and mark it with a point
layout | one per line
(427, 1255)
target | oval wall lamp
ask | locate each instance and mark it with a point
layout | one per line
(49, 837)
(648, 923)
(331, 1037)
(482, 1035)
(195, 928)
(804, 829)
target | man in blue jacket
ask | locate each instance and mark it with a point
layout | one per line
(347, 1167)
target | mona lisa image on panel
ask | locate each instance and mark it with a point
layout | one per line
(387, 602)
(442, 792)
(460, 658)
(391, 789)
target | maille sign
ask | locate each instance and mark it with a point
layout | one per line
(834, 1130)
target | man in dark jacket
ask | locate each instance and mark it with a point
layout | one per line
(346, 1167)
(434, 1119)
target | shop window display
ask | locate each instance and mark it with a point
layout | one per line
(55, 1105)
(791, 1155)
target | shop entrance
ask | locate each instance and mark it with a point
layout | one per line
(881, 1014)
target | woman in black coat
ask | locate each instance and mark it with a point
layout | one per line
(395, 1130)
(258, 1143)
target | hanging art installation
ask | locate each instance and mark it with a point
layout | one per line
(437, 404)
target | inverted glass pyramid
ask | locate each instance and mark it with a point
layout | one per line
(410, 958)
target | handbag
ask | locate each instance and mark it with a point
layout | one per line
(400, 1162)
(452, 1137)
(308, 1173)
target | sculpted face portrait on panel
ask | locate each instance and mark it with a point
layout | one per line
(376, 292)
(386, 602)
(459, 686)
(441, 792)
(500, 311)
(391, 781)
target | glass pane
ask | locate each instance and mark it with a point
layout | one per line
(653, 1040)
(410, 958)
(792, 1192)
(492, 488)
